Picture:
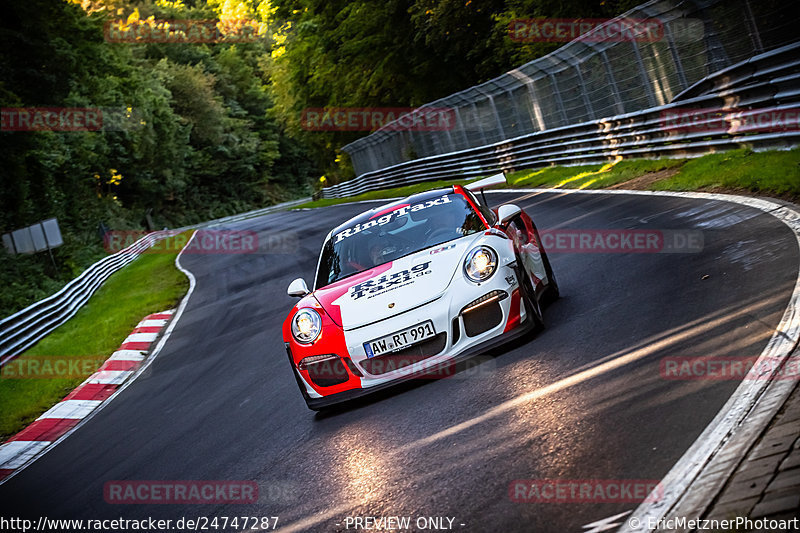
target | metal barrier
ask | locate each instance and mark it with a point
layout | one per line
(239, 217)
(769, 80)
(25, 328)
(593, 77)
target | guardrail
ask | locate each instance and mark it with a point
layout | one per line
(24, 328)
(248, 215)
(593, 76)
(766, 81)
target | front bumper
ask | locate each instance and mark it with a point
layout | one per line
(476, 349)
(464, 334)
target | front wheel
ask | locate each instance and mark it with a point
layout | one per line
(551, 294)
(528, 296)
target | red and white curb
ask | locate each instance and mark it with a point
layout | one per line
(77, 405)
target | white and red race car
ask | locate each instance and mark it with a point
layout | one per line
(412, 286)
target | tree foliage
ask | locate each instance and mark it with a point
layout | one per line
(399, 53)
(210, 129)
(199, 139)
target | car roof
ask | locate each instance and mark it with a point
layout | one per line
(412, 199)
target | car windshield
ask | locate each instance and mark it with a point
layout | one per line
(394, 232)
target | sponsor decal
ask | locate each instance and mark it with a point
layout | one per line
(388, 282)
(385, 219)
(443, 248)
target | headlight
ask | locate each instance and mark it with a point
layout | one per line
(306, 326)
(480, 263)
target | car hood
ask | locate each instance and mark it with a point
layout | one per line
(395, 287)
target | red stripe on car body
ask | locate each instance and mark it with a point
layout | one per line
(458, 189)
(330, 293)
(513, 312)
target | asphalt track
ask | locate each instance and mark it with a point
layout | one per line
(220, 402)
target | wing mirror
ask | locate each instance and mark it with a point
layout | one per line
(298, 288)
(506, 212)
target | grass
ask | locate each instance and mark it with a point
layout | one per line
(148, 285)
(769, 173)
(775, 173)
(589, 176)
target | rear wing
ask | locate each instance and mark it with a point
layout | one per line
(485, 183)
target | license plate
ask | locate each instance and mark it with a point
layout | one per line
(400, 339)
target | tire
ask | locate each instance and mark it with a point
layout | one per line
(551, 294)
(528, 296)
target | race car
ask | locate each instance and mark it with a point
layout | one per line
(412, 287)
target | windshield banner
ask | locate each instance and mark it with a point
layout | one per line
(388, 217)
